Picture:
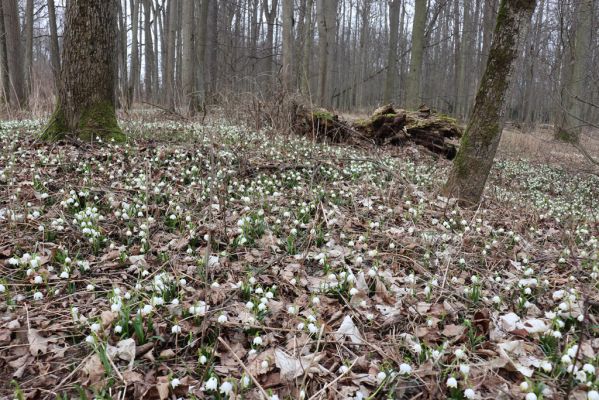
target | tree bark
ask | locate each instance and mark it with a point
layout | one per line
(4, 68)
(169, 78)
(14, 53)
(478, 146)
(134, 78)
(415, 75)
(326, 36)
(54, 49)
(287, 69)
(188, 57)
(307, 49)
(570, 118)
(390, 89)
(201, 46)
(28, 67)
(149, 50)
(86, 103)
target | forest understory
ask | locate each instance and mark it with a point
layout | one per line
(217, 261)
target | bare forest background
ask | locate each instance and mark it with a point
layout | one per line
(344, 54)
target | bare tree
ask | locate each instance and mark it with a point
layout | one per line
(474, 160)
(134, 76)
(54, 49)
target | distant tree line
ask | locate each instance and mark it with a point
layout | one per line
(347, 54)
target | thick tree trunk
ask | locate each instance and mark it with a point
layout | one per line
(415, 75)
(390, 89)
(86, 104)
(14, 52)
(287, 69)
(189, 94)
(479, 144)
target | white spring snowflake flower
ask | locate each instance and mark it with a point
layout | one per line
(38, 296)
(257, 341)
(226, 388)
(405, 369)
(211, 384)
(381, 376)
(176, 329)
(222, 318)
(452, 382)
(469, 393)
(175, 382)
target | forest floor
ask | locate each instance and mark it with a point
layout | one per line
(216, 262)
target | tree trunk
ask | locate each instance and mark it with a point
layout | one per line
(188, 57)
(54, 49)
(307, 49)
(4, 69)
(134, 78)
(479, 144)
(326, 36)
(148, 49)
(28, 47)
(201, 41)
(169, 78)
(14, 52)
(415, 75)
(390, 89)
(570, 118)
(287, 70)
(86, 103)
(270, 14)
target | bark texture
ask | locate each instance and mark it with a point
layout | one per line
(415, 75)
(86, 103)
(394, 8)
(474, 160)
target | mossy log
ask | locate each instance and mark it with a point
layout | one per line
(386, 126)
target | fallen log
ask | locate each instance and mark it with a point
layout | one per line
(386, 126)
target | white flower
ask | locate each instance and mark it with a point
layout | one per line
(452, 382)
(226, 388)
(316, 301)
(257, 341)
(343, 369)
(312, 328)
(274, 397)
(245, 381)
(2, 288)
(38, 280)
(118, 329)
(459, 353)
(547, 366)
(593, 395)
(211, 384)
(524, 386)
(38, 296)
(469, 393)
(95, 327)
(203, 359)
(464, 369)
(381, 376)
(176, 329)
(175, 382)
(353, 291)
(531, 396)
(589, 369)
(249, 305)
(405, 369)
(89, 339)
(291, 310)
(222, 318)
